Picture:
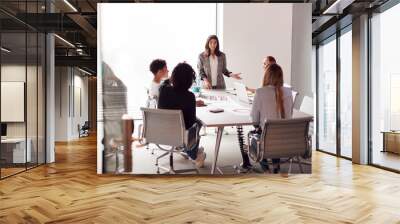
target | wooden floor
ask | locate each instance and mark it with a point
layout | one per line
(70, 191)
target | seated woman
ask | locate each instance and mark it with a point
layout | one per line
(176, 95)
(266, 62)
(271, 101)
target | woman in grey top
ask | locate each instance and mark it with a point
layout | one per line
(212, 65)
(271, 101)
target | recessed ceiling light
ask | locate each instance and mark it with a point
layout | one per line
(70, 5)
(64, 40)
(84, 71)
(5, 50)
(338, 6)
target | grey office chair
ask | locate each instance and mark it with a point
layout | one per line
(167, 127)
(286, 138)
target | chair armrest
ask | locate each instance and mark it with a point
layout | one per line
(308, 151)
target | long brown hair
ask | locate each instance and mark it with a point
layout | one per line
(207, 51)
(274, 76)
(271, 59)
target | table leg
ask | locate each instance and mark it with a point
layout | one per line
(217, 144)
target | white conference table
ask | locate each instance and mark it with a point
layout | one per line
(235, 114)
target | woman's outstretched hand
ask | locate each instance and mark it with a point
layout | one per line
(236, 76)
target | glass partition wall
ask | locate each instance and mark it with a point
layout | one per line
(385, 89)
(345, 62)
(334, 89)
(327, 95)
(22, 77)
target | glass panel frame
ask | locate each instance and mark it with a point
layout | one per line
(337, 140)
(345, 97)
(27, 57)
(326, 104)
(383, 74)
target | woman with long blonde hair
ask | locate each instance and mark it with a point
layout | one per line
(271, 101)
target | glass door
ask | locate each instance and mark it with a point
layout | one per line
(326, 131)
(346, 93)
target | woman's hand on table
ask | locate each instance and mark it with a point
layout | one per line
(206, 84)
(200, 103)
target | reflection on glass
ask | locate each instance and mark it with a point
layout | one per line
(13, 84)
(385, 85)
(31, 97)
(22, 91)
(41, 98)
(327, 97)
(346, 94)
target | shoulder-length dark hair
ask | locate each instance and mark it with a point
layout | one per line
(183, 77)
(207, 48)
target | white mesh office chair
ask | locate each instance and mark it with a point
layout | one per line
(167, 127)
(286, 138)
(151, 102)
(295, 95)
(307, 106)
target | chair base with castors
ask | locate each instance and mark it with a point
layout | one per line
(158, 124)
(284, 138)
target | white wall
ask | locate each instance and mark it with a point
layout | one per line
(68, 82)
(301, 75)
(33, 126)
(132, 35)
(17, 73)
(253, 31)
(61, 103)
(80, 83)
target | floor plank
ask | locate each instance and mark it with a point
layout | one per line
(70, 191)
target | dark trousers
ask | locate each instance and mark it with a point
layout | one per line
(192, 151)
(245, 156)
(274, 161)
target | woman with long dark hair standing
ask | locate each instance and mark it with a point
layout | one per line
(212, 65)
(212, 68)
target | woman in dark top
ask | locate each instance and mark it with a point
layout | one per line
(176, 95)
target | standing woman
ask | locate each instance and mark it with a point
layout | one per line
(212, 65)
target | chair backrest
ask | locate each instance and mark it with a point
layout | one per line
(295, 95)
(307, 105)
(285, 138)
(86, 125)
(164, 127)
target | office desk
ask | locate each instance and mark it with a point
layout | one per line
(235, 114)
(391, 141)
(14, 149)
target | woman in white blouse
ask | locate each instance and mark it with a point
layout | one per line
(271, 101)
